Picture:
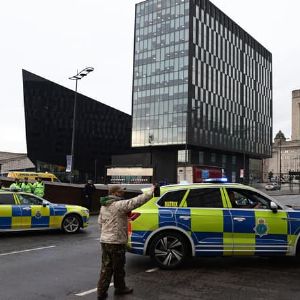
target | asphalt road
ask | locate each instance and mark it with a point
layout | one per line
(52, 265)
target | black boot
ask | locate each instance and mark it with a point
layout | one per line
(102, 297)
(125, 290)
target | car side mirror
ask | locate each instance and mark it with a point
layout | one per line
(274, 207)
(45, 204)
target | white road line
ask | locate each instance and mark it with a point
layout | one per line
(27, 250)
(89, 292)
(151, 270)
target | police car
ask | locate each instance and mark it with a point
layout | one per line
(212, 220)
(21, 211)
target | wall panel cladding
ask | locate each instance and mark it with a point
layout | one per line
(100, 130)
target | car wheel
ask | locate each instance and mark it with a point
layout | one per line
(169, 250)
(71, 224)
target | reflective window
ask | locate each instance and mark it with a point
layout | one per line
(210, 197)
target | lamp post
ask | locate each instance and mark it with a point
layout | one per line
(76, 77)
(150, 140)
(280, 141)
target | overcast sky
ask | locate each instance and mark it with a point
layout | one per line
(54, 38)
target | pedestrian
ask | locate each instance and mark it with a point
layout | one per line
(113, 225)
(88, 191)
(26, 186)
(39, 188)
(16, 185)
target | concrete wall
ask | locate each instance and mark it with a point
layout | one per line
(73, 193)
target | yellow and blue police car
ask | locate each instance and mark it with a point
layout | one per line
(212, 219)
(21, 211)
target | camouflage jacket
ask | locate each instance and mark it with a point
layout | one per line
(113, 219)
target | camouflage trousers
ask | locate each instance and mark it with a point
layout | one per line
(113, 264)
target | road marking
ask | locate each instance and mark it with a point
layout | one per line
(151, 270)
(27, 250)
(90, 291)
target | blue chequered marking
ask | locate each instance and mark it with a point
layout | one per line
(166, 216)
(60, 210)
(227, 221)
(25, 212)
(208, 238)
(52, 211)
(244, 226)
(271, 244)
(40, 222)
(139, 236)
(182, 222)
(5, 222)
(294, 224)
(208, 243)
(16, 211)
(272, 239)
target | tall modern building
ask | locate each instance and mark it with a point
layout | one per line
(100, 129)
(202, 84)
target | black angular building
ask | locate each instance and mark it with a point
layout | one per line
(202, 87)
(100, 129)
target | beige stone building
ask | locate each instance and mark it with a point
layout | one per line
(290, 158)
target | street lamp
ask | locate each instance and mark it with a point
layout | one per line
(76, 77)
(150, 141)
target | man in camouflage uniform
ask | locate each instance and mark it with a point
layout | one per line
(113, 225)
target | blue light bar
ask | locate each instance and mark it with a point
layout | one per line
(216, 180)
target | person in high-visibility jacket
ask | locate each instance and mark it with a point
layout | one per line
(26, 186)
(15, 186)
(39, 188)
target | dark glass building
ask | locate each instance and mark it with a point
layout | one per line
(100, 129)
(200, 83)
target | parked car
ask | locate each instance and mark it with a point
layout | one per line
(22, 211)
(272, 186)
(212, 220)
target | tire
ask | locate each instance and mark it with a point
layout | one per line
(71, 224)
(169, 250)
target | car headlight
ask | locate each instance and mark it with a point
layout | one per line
(85, 211)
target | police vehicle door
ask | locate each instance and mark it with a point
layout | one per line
(257, 230)
(210, 224)
(10, 212)
(34, 214)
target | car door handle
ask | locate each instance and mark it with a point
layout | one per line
(26, 208)
(184, 217)
(239, 219)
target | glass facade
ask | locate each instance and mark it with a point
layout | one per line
(199, 79)
(231, 85)
(160, 84)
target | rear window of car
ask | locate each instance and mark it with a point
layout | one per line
(7, 199)
(171, 199)
(210, 197)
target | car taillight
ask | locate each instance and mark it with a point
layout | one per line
(133, 215)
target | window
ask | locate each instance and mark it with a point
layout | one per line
(204, 198)
(7, 199)
(172, 199)
(29, 200)
(244, 199)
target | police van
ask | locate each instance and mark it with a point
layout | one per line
(45, 176)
